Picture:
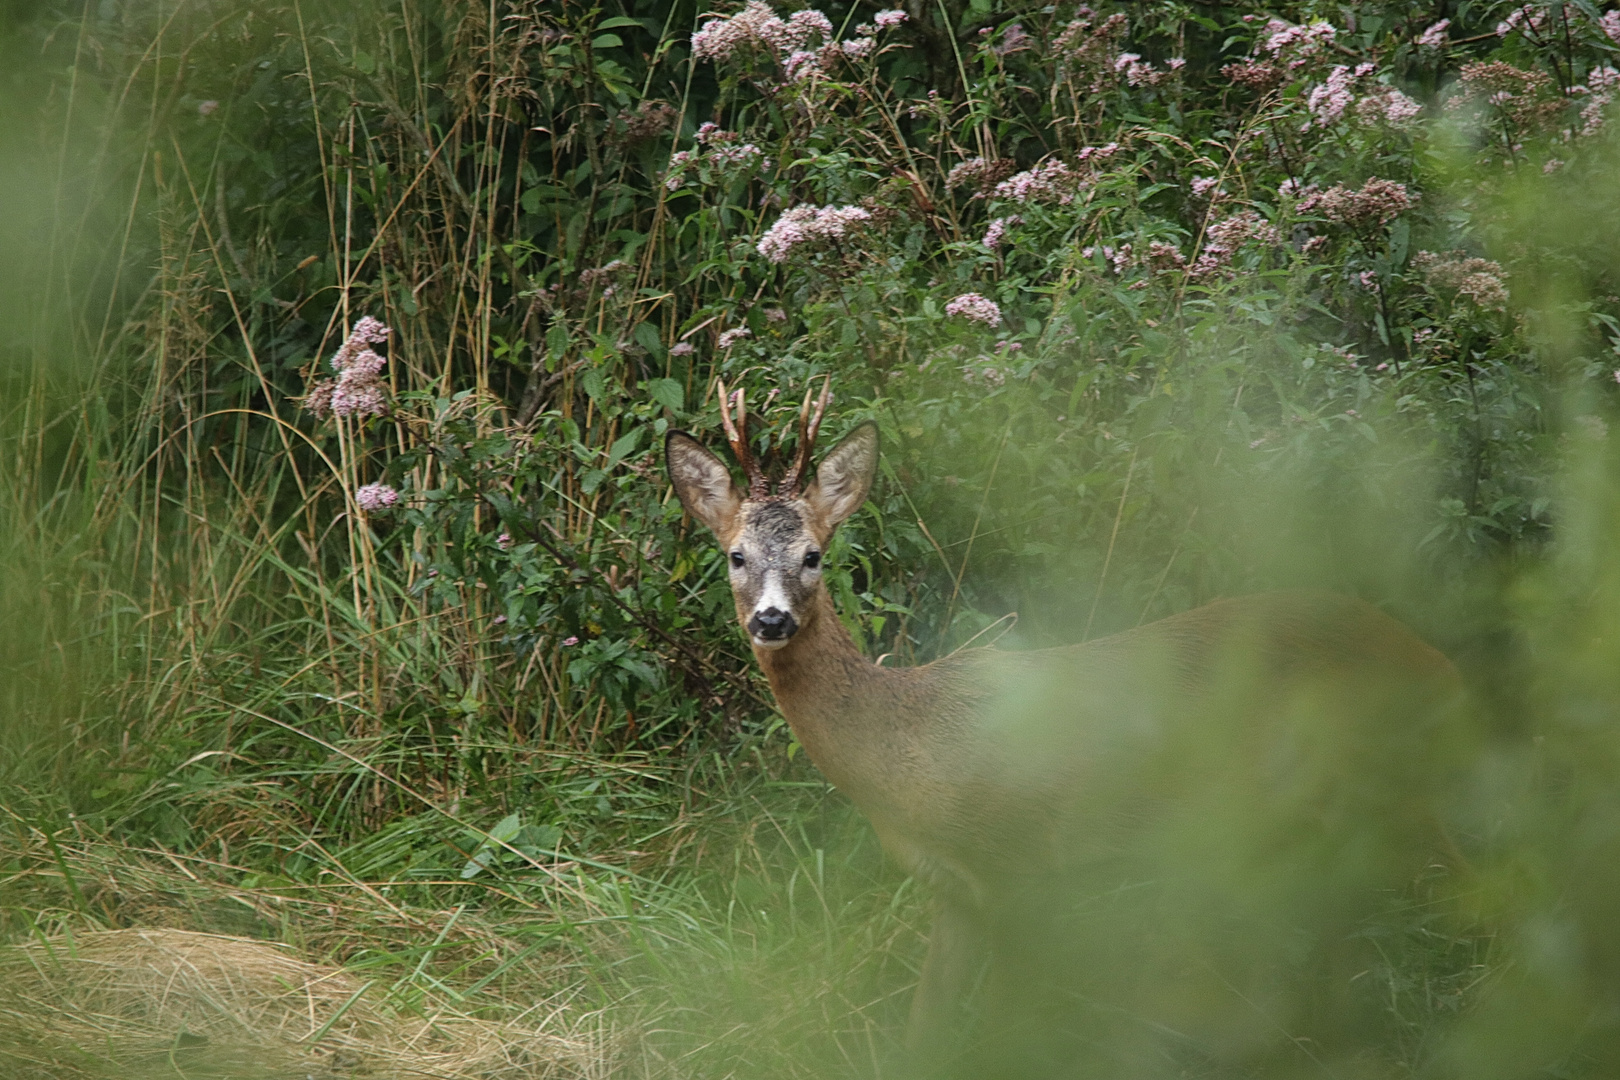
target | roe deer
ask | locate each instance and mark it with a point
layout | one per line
(1279, 745)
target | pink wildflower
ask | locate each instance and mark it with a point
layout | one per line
(996, 234)
(731, 337)
(802, 64)
(1298, 42)
(889, 19)
(1329, 101)
(1435, 36)
(1377, 203)
(975, 308)
(570, 641)
(1526, 19)
(720, 39)
(357, 391)
(1223, 239)
(376, 498)
(1047, 182)
(1610, 25)
(1336, 98)
(682, 348)
(1138, 72)
(806, 225)
(1480, 280)
(979, 174)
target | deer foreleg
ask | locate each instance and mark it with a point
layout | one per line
(957, 951)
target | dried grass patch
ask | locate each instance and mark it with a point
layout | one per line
(158, 1002)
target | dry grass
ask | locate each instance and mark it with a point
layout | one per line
(160, 1002)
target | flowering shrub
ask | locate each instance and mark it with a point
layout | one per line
(1051, 251)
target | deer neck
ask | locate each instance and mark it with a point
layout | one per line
(848, 713)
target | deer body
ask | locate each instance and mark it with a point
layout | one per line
(991, 775)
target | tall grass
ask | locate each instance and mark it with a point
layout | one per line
(503, 742)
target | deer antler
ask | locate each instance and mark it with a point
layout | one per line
(809, 427)
(737, 434)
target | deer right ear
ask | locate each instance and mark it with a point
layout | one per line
(702, 481)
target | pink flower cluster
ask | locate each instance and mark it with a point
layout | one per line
(1435, 36)
(803, 44)
(975, 308)
(1285, 49)
(731, 337)
(996, 234)
(809, 225)
(1223, 240)
(1521, 97)
(1139, 72)
(358, 390)
(1050, 181)
(1118, 258)
(376, 498)
(756, 24)
(1480, 280)
(725, 150)
(1165, 257)
(1297, 44)
(1336, 99)
(1601, 85)
(1609, 23)
(978, 173)
(1527, 19)
(1377, 203)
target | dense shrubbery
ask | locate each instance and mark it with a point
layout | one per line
(1151, 304)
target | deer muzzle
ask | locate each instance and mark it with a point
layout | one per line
(771, 627)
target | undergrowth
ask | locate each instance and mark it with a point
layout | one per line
(410, 658)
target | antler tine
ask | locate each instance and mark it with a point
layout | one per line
(737, 435)
(809, 428)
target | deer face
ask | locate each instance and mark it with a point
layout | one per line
(773, 543)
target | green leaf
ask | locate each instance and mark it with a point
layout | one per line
(619, 20)
(592, 382)
(607, 41)
(625, 445)
(667, 392)
(507, 828)
(646, 334)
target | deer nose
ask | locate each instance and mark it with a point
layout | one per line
(772, 624)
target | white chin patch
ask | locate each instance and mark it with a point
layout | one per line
(775, 643)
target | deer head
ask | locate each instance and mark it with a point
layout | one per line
(774, 541)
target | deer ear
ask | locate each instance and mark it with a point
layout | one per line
(845, 476)
(702, 481)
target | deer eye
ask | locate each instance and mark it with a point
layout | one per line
(812, 559)
(737, 559)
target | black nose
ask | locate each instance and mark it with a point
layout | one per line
(772, 624)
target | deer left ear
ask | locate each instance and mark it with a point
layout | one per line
(845, 476)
